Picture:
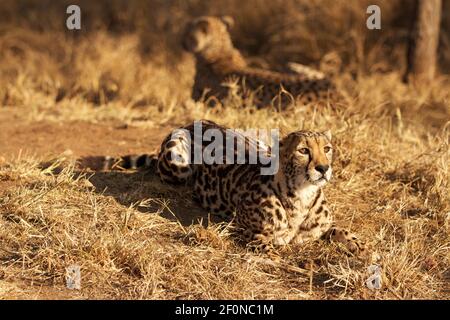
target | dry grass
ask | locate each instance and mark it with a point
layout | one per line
(391, 182)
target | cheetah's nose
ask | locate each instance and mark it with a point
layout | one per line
(322, 168)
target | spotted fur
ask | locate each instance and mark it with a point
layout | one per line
(270, 210)
(287, 207)
(221, 67)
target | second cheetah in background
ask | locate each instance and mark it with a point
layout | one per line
(218, 62)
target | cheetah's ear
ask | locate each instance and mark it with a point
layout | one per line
(228, 20)
(328, 134)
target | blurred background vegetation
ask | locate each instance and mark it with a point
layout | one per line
(125, 72)
(276, 30)
(130, 52)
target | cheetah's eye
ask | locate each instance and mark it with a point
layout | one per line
(304, 151)
(327, 149)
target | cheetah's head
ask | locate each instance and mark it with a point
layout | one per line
(306, 157)
(208, 33)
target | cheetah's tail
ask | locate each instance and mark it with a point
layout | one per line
(127, 162)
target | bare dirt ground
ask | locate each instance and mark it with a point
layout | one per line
(46, 138)
(120, 85)
(78, 140)
(20, 137)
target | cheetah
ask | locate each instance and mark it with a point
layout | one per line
(271, 210)
(221, 67)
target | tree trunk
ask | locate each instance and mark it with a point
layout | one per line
(422, 51)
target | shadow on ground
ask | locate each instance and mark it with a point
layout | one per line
(145, 191)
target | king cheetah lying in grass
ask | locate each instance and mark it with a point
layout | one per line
(286, 207)
(220, 66)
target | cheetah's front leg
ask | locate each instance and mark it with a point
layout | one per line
(256, 230)
(351, 242)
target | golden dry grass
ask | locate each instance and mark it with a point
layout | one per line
(391, 181)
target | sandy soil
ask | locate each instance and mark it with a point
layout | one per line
(21, 137)
(46, 138)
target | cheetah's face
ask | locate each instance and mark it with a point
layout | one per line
(308, 156)
(206, 32)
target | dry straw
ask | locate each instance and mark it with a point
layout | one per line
(131, 239)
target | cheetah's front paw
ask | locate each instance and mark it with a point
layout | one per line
(351, 242)
(356, 246)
